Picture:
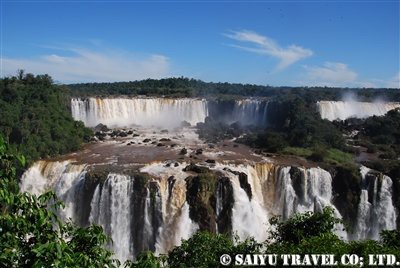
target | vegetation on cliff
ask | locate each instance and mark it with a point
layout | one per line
(35, 117)
(307, 233)
(32, 235)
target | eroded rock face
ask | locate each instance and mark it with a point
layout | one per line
(224, 205)
(153, 207)
(347, 189)
(200, 196)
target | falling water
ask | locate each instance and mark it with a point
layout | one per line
(375, 210)
(125, 112)
(342, 110)
(154, 214)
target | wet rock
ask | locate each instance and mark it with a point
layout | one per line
(297, 181)
(165, 139)
(122, 134)
(346, 191)
(154, 142)
(160, 144)
(224, 193)
(101, 127)
(171, 183)
(185, 124)
(211, 161)
(146, 140)
(100, 135)
(196, 168)
(174, 145)
(199, 151)
(176, 164)
(164, 131)
(200, 195)
(244, 184)
(183, 151)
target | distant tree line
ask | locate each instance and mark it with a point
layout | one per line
(185, 87)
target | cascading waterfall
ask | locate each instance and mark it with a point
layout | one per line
(375, 210)
(125, 112)
(333, 110)
(152, 213)
(249, 215)
(311, 190)
(160, 112)
(250, 112)
(110, 209)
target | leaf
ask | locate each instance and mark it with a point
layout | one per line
(22, 160)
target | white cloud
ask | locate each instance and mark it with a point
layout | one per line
(83, 65)
(394, 82)
(266, 46)
(331, 74)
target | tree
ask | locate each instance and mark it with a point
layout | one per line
(305, 225)
(32, 235)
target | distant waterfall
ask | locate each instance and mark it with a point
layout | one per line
(250, 112)
(167, 113)
(333, 110)
(375, 211)
(125, 112)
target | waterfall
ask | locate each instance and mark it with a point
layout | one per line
(313, 191)
(62, 177)
(249, 216)
(151, 212)
(376, 211)
(111, 210)
(333, 110)
(250, 112)
(300, 190)
(166, 113)
(125, 112)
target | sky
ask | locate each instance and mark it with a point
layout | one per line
(279, 43)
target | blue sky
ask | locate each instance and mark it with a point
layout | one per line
(333, 43)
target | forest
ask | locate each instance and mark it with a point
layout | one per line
(35, 117)
(185, 87)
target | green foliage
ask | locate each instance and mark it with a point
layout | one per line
(204, 249)
(269, 140)
(146, 260)
(35, 117)
(312, 233)
(335, 156)
(299, 151)
(295, 127)
(301, 226)
(31, 234)
(307, 233)
(391, 238)
(185, 87)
